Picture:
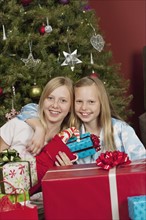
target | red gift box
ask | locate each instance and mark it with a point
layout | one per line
(83, 192)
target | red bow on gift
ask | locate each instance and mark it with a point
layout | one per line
(110, 159)
(96, 142)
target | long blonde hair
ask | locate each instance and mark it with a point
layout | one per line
(49, 88)
(106, 110)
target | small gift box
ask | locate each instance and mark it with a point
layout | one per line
(17, 173)
(137, 207)
(21, 174)
(87, 145)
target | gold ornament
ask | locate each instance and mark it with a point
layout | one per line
(35, 91)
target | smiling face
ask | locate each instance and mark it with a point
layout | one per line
(57, 105)
(87, 104)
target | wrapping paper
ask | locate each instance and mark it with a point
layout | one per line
(137, 207)
(16, 173)
(89, 192)
(9, 169)
(84, 146)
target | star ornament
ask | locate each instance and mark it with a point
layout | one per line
(30, 62)
(71, 59)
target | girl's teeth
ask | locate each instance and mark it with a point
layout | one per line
(85, 114)
(55, 112)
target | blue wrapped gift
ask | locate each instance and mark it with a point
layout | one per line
(84, 147)
(137, 207)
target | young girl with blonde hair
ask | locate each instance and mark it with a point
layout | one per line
(54, 112)
(95, 114)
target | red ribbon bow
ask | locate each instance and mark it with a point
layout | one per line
(96, 142)
(109, 159)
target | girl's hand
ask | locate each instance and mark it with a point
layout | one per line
(62, 159)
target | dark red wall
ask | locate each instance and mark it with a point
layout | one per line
(123, 23)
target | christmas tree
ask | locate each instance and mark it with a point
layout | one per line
(44, 39)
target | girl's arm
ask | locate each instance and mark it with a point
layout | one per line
(37, 142)
(3, 145)
(29, 114)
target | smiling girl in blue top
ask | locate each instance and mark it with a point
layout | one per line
(95, 114)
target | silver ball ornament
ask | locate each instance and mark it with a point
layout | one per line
(48, 29)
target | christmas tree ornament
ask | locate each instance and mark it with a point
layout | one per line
(30, 62)
(94, 75)
(48, 28)
(35, 91)
(4, 33)
(45, 28)
(97, 42)
(64, 2)
(13, 91)
(86, 8)
(1, 91)
(71, 58)
(42, 29)
(13, 111)
(25, 2)
(91, 59)
(11, 114)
